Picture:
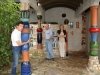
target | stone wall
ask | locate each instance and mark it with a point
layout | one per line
(55, 15)
(74, 34)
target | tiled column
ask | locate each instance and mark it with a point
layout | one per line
(39, 37)
(93, 58)
(39, 32)
(25, 65)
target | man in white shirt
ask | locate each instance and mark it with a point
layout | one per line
(16, 45)
(49, 43)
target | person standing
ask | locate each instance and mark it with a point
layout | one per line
(62, 41)
(49, 43)
(16, 45)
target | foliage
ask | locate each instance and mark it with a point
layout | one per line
(8, 16)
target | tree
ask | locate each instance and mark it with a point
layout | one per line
(9, 15)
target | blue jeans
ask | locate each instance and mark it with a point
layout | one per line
(16, 50)
(49, 49)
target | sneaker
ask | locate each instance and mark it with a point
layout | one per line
(66, 53)
(47, 59)
(52, 59)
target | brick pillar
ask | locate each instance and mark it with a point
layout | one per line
(93, 54)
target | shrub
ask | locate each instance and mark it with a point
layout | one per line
(8, 16)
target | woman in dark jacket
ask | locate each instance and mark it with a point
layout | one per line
(62, 34)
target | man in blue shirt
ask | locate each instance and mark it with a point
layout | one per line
(49, 43)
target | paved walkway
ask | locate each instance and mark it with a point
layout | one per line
(75, 64)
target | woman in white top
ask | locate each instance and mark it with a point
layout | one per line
(62, 41)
